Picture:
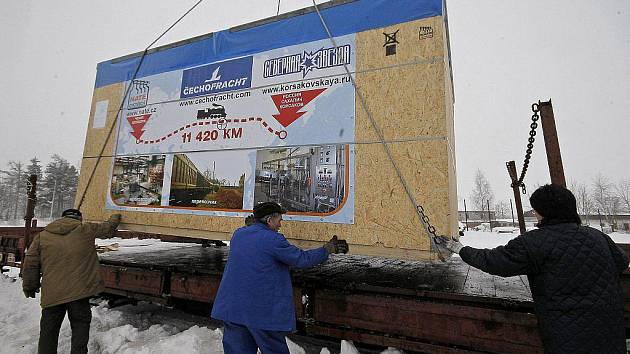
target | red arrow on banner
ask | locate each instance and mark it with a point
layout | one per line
(289, 104)
(137, 123)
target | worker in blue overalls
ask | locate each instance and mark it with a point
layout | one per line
(255, 298)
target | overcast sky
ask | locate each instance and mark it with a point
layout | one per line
(506, 55)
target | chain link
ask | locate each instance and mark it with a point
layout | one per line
(430, 228)
(530, 146)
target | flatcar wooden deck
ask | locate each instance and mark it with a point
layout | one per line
(413, 305)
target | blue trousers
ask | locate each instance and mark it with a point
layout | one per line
(238, 339)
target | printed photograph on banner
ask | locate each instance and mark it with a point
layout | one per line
(308, 179)
(209, 180)
(137, 180)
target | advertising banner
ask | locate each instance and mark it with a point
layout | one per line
(218, 138)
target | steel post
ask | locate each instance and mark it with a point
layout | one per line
(554, 159)
(30, 214)
(511, 167)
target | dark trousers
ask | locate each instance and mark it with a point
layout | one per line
(239, 339)
(80, 316)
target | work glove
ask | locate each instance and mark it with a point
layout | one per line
(30, 293)
(336, 246)
(446, 246)
(454, 245)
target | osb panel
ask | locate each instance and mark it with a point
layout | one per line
(408, 94)
(95, 137)
(383, 209)
(410, 49)
(404, 92)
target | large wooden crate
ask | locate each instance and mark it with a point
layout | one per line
(408, 95)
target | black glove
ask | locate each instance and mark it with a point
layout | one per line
(250, 220)
(336, 246)
(30, 293)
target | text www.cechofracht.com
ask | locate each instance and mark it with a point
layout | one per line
(215, 98)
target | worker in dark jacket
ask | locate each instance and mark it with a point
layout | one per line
(255, 298)
(573, 274)
(64, 256)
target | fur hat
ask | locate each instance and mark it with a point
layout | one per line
(263, 209)
(72, 213)
(554, 202)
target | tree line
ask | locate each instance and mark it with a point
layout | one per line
(56, 187)
(600, 196)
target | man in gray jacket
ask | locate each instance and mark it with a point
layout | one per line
(64, 257)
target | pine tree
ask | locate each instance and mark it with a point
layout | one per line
(59, 185)
(14, 194)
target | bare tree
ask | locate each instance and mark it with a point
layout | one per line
(502, 210)
(623, 192)
(482, 192)
(584, 201)
(603, 197)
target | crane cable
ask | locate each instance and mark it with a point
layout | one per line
(430, 229)
(122, 102)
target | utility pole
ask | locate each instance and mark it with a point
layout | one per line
(466, 214)
(512, 209)
(489, 219)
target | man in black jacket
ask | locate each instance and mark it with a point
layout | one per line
(573, 274)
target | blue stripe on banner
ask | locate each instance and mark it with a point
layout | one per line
(353, 17)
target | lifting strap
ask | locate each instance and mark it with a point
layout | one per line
(122, 103)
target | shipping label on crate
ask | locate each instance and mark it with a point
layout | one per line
(218, 138)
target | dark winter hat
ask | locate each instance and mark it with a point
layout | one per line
(72, 213)
(554, 202)
(263, 209)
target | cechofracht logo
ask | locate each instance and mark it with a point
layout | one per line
(215, 75)
(228, 75)
(138, 94)
(305, 62)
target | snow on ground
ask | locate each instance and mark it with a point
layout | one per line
(134, 245)
(145, 328)
(487, 239)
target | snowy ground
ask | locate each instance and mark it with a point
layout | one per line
(481, 239)
(148, 328)
(145, 328)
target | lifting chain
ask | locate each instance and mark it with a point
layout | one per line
(425, 219)
(530, 146)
